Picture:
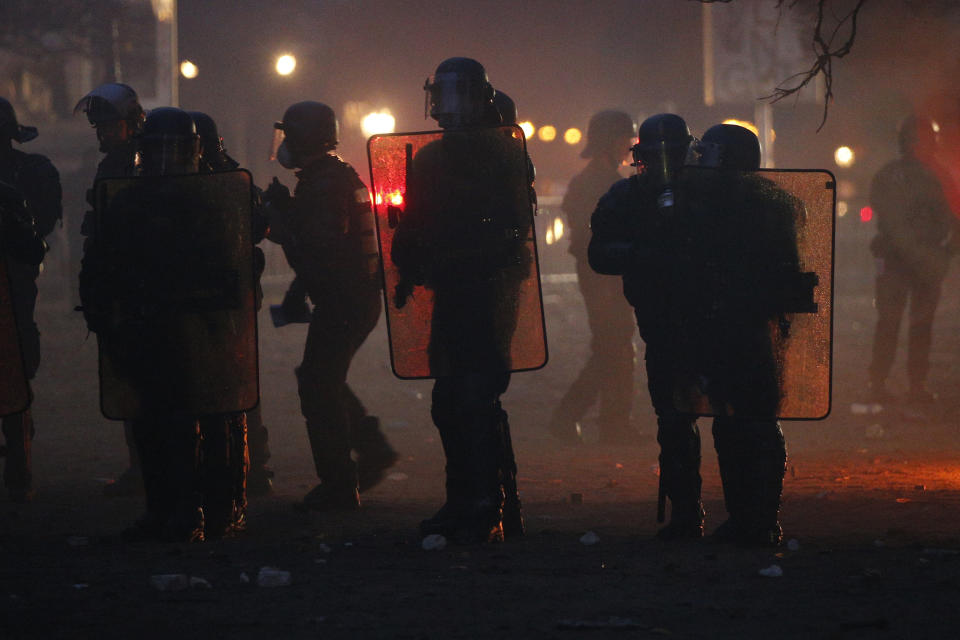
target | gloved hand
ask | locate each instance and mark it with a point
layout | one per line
(277, 195)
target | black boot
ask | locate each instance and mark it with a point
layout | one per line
(223, 474)
(457, 482)
(146, 436)
(725, 442)
(338, 490)
(512, 510)
(680, 480)
(183, 481)
(765, 466)
(752, 459)
(483, 520)
(17, 470)
(374, 453)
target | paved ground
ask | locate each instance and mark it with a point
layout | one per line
(872, 502)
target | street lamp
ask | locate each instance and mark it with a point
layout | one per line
(286, 64)
(844, 156)
(377, 122)
(547, 133)
(188, 70)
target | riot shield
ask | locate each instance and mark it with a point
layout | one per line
(455, 223)
(14, 388)
(176, 255)
(753, 300)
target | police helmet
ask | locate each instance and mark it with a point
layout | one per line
(459, 93)
(730, 146)
(608, 128)
(662, 144)
(10, 129)
(169, 143)
(110, 102)
(309, 127)
(210, 139)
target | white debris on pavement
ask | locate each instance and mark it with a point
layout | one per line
(434, 542)
(199, 583)
(170, 581)
(589, 538)
(273, 577)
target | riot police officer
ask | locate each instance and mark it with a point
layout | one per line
(114, 110)
(461, 237)
(214, 157)
(915, 230)
(161, 292)
(634, 235)
(741, 230)
(325, 229)
(30, 208)
(607, 375)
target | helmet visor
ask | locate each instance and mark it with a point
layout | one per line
(278, 137)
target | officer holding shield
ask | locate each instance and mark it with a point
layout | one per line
(634, 235)
(710, 259)
(462, 242)
(740, 239)
(113, 110)
(213, 158)
(29, 209)
(171, 254)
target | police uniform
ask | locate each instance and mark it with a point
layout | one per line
(37, 181)
(322, 234)
(461, 237)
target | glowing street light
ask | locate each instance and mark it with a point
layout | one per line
(528, 129)
(572, 135)
(844, 156)
(547, 133)
(377, 122)
(188, 70)
(286, 64)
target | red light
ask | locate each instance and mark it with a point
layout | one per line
(379, 199)
(866, 214)
(396, 198)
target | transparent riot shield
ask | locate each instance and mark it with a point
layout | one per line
(14, 388)
(753, 300)
(455, 223)
(176, 259)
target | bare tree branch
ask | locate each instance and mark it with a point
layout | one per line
(826, 49)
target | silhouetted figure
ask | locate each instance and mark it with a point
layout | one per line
(741, 254)
(912, 251)
(634, 235)
(213, 158)
(30, 208)
(325, 229)
(114, 110)
(607, 375)
(462, 236)
(170, 292)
